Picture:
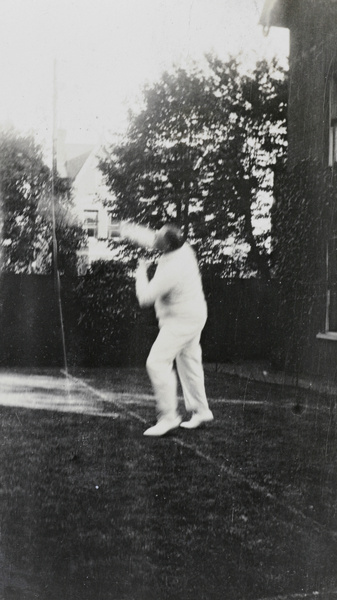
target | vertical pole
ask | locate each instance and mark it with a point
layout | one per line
(54, 167)
(1, 220)
(53, 201)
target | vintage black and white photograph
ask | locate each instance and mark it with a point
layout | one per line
(168, 300)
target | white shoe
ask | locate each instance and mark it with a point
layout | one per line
(198, 419)
(163, 426)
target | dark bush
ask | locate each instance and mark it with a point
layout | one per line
(106, 307)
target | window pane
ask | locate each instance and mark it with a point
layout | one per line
(111, 225)
(333, 121)
(332, 145)
(333, 100)
(91, 222)
(332, 284)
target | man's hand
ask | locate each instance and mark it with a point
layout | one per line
(143, 264)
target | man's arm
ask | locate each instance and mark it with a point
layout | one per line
(149, 291)
(138, 234)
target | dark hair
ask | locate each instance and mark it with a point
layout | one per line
(173, 237)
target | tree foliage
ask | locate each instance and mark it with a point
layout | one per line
(27, 204)
(200, 152)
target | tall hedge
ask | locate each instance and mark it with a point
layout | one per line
(106, 310)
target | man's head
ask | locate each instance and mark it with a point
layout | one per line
(168, 239)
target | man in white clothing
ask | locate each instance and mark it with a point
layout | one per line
(177, 295)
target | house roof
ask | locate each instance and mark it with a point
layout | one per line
(75, 164)
(276, 13)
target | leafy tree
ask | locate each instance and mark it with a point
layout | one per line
(27, 206)
(200, 152)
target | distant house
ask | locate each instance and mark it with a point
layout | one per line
(79, 163)
(312, 162)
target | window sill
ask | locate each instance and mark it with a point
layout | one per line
(327, 335)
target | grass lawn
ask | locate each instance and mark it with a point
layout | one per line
(243, 509)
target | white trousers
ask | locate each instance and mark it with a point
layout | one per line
(180, 342)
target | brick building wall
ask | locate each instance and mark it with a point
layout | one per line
(312, 59)
(308, 204)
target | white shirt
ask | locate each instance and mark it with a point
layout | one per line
(176, 288)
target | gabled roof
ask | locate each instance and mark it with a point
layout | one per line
(276, 13)
(71, 157)
(75, 164)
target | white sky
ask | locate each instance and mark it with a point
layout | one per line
(106, 50)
